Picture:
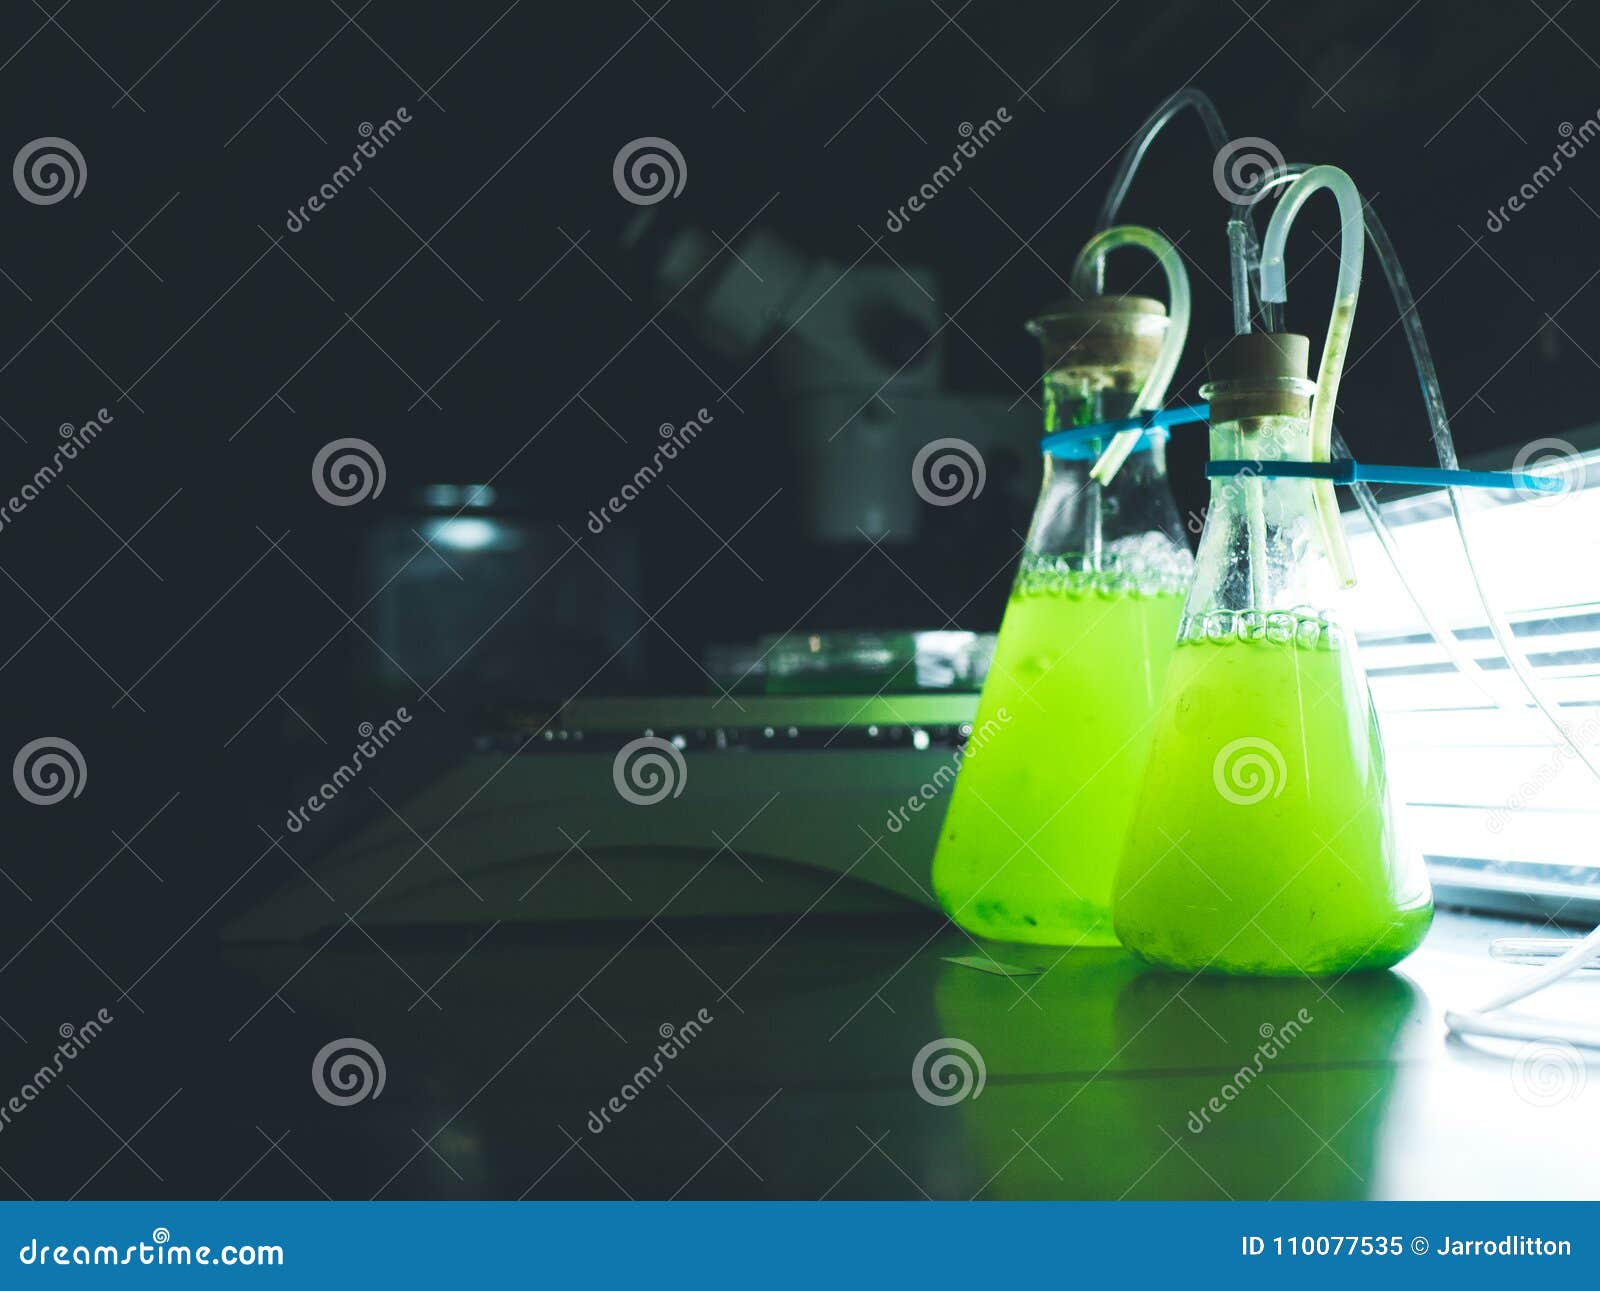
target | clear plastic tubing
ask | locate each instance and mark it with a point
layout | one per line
(1272, 288)
(1536, 951)
(1133, 156)
(1239, 274)
(1090, 266)
(1139, 144)
(1275, 288)
(1444, 448)
(1243, 250)
(1245, 258)
(1477, 1022)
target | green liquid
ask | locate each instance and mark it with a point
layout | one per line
(1264, 842)
(1037, 817)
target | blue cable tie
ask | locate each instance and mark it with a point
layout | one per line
(1348, 471)
(1077, 442)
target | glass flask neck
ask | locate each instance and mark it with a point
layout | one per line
(1073, 399)
(1125, 534)
(1262, 570)
(1264, 439)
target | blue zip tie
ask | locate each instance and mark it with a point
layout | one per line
(1347, 471)
(1075, 444)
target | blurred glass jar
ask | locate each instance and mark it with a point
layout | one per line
(854, 663)
(466, 592)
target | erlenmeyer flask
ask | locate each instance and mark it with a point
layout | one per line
(1264, 841)
(1037, 816)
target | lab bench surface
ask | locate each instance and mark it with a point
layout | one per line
(1102, 1078)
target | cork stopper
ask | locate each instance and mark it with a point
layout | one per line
(1104, 340)
(1260, 374)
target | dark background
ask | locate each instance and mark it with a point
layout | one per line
(211, 678)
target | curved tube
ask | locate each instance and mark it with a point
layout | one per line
(1239, 274)
(1088, 266)
(1246, 253)
(1474, 1022)
(1273, 283)
(1146, 134)
(1519, 1028)
(1444, 449)
(1580, 954)
(1244, 256)
(1274, 287)
(1178, 299)
(1133, 158)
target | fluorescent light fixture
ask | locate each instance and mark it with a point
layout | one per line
(1489, 795)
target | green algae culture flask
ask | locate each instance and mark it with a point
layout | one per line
(1037, 816)
(1264, 841)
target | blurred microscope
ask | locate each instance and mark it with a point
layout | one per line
(812, 772)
